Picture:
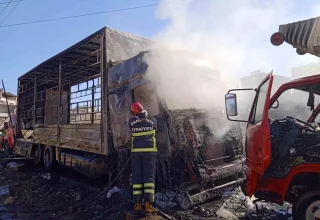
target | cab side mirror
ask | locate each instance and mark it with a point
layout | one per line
(231, 104)
(275, 104)
(5, 125)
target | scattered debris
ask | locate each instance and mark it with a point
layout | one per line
(227, 194)
(46, 176)
(78, 197)
(8, 201)
(15, 165)
(4, 190)
(203, 212)
(243, 208)
(99, 207)
(12, 164)
(32, 191)
(222, 212)
(113, 190)
(132, 215)
(6, 217)
(165, 200)
(34, 194)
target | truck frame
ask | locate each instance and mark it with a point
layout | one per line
(73, 111)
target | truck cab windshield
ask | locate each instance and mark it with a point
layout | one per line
(293, 103)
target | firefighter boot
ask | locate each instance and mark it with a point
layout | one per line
(137, 207)
(149, 208)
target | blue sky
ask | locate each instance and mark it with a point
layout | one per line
(24, 47)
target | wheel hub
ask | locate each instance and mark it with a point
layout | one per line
(47, 157)
(313, 211)
(37, 154)
(130, 179)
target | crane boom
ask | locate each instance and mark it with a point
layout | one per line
(303, 35)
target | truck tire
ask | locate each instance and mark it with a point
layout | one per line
(127, 179)
(7, 149)
(38, 154)
(49, 157)
(307, 207)
(294, 210)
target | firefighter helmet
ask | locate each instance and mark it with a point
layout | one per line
(136, 108)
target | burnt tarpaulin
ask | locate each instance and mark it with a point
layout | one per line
(122, 46)
(202, 135)
(123, 78)
(128, 73)
(119, 106)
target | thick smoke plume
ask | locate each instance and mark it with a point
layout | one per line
(233, 35)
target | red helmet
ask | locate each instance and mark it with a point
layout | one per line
(136, 108)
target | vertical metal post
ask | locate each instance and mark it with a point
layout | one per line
(60, 93)
(59, 98)
(17, 105)
(58, 154)
(69, 105)
(9, 113)
(35, 99)
(92, 102)
(104, 98)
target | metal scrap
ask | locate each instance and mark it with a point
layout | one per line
(4, 190)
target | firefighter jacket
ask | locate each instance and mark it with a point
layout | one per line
(143, 131)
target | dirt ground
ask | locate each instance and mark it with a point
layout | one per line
(35, 194)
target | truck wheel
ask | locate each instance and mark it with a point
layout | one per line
(128, 181)
(49, 157)
(7, 149)
(38, 154)
(308, 207)
(294, 211)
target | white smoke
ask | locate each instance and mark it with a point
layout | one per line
(233, 35)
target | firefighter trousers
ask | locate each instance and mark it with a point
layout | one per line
(143, 176)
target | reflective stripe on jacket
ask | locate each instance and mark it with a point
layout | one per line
(143, 134)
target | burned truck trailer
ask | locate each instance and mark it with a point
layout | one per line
(73, 111)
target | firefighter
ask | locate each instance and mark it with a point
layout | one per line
(143, 157)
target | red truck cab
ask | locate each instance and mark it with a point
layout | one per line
(283, 154)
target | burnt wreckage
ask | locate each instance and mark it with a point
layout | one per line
(75, 107)
(294, 141)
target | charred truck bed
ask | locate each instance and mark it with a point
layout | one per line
(73, 110)
(62, 103)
